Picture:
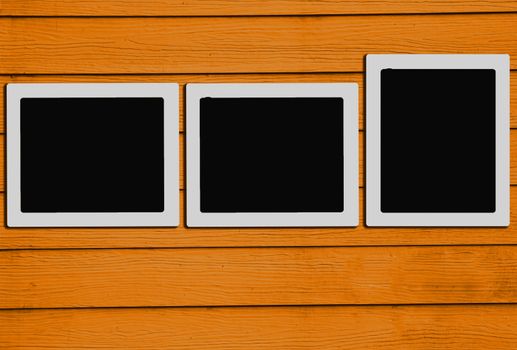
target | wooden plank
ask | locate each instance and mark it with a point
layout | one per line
(223, 45)
(183, 79)
(247, 8)
(477, 327)
(130, 237)
(251, 276)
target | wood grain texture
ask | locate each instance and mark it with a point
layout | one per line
(224, 45)
(477, 327)
(244, 8)
(183, 79)
(381, 266)
(251, 276)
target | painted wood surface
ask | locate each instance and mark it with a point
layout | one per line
(245, 8)
(240, 44)
(251, 276)
(150, 288)
(474, 327)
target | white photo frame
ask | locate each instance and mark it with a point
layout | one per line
(374, 65)
(347, 91)
(168, 217)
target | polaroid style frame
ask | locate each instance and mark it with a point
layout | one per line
(374, 65)
(170, 215)
(347, 91)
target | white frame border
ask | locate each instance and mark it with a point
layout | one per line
(347, 91)
(170, 215)
(374, 65)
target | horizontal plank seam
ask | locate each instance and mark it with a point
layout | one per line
(423, 246)
(261, 306)
(366, 14)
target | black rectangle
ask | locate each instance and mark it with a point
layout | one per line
(271, 155)
(92, 155)
(438, 143)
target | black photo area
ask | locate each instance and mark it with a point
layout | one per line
(438, 143)
(271, 155)
(92, 155)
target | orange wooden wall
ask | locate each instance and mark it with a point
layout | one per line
(297, 288)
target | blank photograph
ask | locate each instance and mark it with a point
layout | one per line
(437, 140)
(271, 155)
(92, 155)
